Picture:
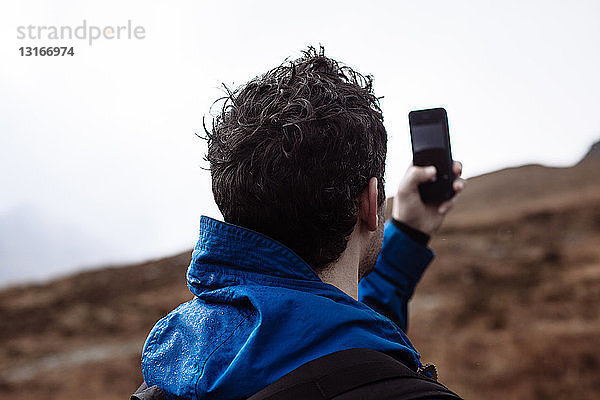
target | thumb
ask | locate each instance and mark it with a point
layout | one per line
(417, 175)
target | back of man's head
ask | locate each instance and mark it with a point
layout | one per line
(291, 151)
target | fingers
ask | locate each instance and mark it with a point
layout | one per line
(459, 185)
(446, 206)
(416, 175)
(457, 168)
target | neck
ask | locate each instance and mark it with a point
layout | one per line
(343, 273)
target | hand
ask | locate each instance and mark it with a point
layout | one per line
(408, 206)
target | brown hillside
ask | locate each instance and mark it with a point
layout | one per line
(508, 309)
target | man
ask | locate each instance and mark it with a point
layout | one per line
(297, 159)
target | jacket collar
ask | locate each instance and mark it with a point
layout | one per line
(234, 248)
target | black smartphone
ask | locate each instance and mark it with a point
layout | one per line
(430, 139)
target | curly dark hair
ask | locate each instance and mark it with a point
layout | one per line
(291, 151)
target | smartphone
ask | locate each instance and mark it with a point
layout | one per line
(430, 139)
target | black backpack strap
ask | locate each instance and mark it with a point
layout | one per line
(148, 393)
(354, 374)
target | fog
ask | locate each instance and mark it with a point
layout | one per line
(99, 158)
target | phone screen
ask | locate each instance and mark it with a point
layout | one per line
(427, 136)
(429, 132)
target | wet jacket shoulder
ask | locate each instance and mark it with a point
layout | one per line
(259, 311)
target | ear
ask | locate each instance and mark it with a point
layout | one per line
(368, 205)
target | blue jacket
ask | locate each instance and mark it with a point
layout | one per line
(259, 311)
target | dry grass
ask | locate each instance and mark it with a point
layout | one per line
(508, 309)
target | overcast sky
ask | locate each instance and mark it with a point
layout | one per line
(103, 142)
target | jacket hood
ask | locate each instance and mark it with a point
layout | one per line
(259, 312)
(232, 250)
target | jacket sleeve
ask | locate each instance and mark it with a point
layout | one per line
(400, 265)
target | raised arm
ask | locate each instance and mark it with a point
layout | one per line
(400, 264)
(404, 256)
